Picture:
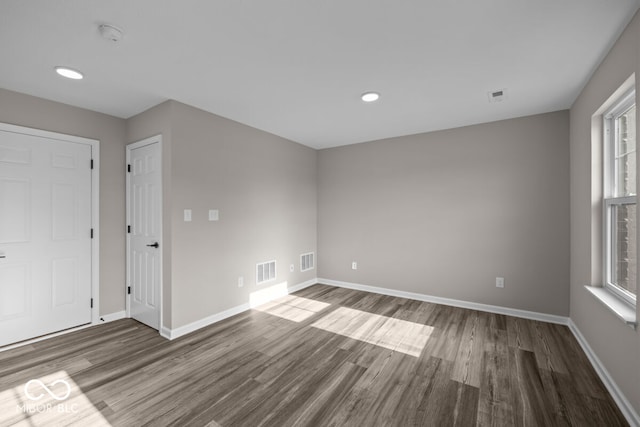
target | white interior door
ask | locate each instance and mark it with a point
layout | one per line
(145, 234)
(45, 235)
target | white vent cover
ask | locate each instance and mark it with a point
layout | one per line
(306, 262)
(497, 95)
(265, 272)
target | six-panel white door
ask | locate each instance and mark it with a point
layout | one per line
(45, 242)
(144, 209)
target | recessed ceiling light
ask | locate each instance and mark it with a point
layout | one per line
(69, 73)
(370, 96)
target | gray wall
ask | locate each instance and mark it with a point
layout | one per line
(29, 111)
(157, 121)
(444, 213)
(265, 190)
(615, 344)
(263, 185)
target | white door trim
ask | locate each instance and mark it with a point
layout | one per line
(130, 147)
(95, 202)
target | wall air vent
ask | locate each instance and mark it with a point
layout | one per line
(307, 262)
(265, 272)
(498, 95)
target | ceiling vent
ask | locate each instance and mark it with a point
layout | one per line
(498, 95)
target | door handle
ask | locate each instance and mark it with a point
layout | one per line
(154, 245)
(3, 256)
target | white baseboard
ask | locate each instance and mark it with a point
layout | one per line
(165, 332)
(209, 320)
(303, 285)
(112, 316)
(625, 407)
(451, 302)
(198, 324)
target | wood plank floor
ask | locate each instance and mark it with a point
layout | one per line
(323, 356)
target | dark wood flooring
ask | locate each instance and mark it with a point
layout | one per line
(324, 356)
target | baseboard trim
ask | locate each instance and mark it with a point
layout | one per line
(532, 315)
(165, 332)
(112, 317)
(172, 334)
(198, 324)
(303, 285)
(625, 407)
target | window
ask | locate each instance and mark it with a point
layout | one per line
(620, 198)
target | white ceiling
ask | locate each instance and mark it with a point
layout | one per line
(296, 68)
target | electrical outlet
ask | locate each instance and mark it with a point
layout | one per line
(354, 265)
(499, 282)
(240, 281)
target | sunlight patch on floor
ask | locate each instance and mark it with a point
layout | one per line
(388, 332)
(293, 308)
(48, 400)
(267, 294)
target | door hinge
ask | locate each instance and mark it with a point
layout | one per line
(128, 168)
(128, 290)
(128, 229)
(92, 233)
(91, 163)
(91, 302)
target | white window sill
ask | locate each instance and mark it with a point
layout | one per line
(623, 310)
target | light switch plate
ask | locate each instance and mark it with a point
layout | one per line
(187, 215)
(213, 215)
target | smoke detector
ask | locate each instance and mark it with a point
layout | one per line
(109, 32)
(497, 95)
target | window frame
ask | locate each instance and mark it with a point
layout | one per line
(610, 201)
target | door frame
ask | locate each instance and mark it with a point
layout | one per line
(95, 203)
(157, 139)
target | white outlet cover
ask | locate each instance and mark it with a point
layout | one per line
(187, 215)
(354, 265)
(214, 215)
(240, 281)
(499, 282)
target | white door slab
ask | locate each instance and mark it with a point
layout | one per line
(145, 234)
(45, 235)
